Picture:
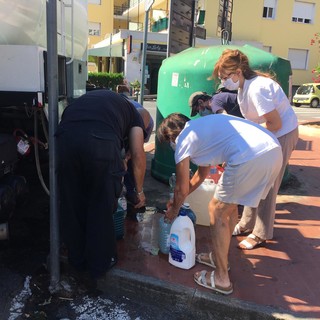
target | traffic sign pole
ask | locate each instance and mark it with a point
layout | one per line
(148, 5)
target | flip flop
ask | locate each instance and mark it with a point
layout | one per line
(202, 281)
(246, 245)
(199, 259)
(237, 230)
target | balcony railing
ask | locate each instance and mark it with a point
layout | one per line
(159, 25)
(119, 10)
(133, 3)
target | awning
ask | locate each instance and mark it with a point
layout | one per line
(115, 50)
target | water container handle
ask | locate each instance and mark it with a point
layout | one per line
(193, 237)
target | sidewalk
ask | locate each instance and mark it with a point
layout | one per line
(278, 281)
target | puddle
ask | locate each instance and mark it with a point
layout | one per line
(149, 230)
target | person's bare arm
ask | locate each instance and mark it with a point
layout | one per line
(181, 189)
(138, 158)
(198, 178)
(273, 121)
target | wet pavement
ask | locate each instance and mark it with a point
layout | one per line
(278, 280)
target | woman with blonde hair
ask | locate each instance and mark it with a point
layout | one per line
(261, 100)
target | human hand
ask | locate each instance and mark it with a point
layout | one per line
(142, 200)
(170, 214)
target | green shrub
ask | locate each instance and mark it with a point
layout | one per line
(135, 85)
(105, 79)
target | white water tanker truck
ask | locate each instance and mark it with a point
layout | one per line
(24, 88)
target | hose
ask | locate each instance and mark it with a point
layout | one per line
(44, 128)
(36, 154)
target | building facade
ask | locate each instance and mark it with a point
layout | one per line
(283, 27)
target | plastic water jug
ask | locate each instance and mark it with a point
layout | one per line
(190, 213)
(199, 200)
(182, 252)
(164, 235)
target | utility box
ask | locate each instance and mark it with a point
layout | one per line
(187, 72)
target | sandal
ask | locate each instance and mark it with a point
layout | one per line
(200, 256)
(239, 231)
(247, 245)
(202, 281)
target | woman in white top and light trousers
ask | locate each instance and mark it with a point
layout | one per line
(261, 100)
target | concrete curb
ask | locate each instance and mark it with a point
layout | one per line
(309, 128)
(195, 304)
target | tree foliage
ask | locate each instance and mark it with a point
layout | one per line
(105, 79)
(315, 41)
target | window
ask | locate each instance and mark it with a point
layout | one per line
(94, 1)
(298, 58)
(269, 9)
(303, 12)
(135, 26)
(267, 48)
(94, 29)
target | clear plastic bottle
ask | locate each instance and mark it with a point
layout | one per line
(164, 235)
(122, 201)
(214, 174)
(172, 184)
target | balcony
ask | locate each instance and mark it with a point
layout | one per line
(119, 10)
(159, 25)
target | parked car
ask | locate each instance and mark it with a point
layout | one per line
(308, 93)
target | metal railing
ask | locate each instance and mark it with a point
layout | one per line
(119, 10)
(133, 3)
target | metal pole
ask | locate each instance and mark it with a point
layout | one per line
(52, 72)
(195, 23)
(144, 55)
(169, 30)
(110, 54)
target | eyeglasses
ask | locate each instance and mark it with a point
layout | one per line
(226, 77)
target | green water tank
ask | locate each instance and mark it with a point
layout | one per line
(187, 72)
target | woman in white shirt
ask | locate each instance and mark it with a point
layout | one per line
(252, 156)
(261, 100)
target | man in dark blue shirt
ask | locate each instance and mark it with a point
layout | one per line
(96, 133)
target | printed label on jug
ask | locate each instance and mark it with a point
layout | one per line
(175, 252)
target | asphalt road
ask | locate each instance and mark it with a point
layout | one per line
(306, 114)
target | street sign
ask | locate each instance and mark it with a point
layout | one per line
(148, 4)
(201, 32)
